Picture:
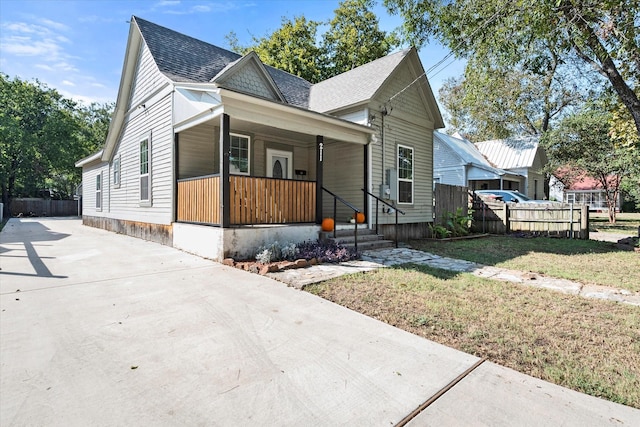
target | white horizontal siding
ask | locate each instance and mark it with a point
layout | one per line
(444, 156)
(451, 176)
(89, 173)
(343, 174)
(148, 78)
(197, 151)
(125, 200)
(397, 132)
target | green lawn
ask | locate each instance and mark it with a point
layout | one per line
(626, 223)
(585, 261)
(590, 346)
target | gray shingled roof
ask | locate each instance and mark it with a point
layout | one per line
(355, 86)
(185, 59)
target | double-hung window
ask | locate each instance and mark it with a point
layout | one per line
(405, 174)
(99, 191)
(239, 162)
(115, 170)
(145, 171)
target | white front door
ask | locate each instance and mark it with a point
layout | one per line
(279, 164)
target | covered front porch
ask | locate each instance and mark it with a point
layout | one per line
(263, 165)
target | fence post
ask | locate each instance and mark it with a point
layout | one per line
(507, 226)
(571, 220)
(584, 222)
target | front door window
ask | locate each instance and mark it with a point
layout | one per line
(279, 164)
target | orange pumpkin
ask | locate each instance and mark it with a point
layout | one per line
(359, 216)
(327, 224)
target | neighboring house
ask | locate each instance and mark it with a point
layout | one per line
(583, 190)
(521, 156)
(457, 161)
(217, 153)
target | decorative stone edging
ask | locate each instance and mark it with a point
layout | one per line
(263, 269)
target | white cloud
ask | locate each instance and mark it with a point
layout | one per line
(68, 83)
(201, 8)
(44, 67)
(168, 3)
(55, 25)
(65, 66)
(100, 85)
(21, 46)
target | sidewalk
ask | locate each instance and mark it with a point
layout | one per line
(371, 260)
(102, 329)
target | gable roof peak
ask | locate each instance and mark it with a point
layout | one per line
(356, 85)
(186, 59)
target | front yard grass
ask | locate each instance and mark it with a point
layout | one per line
(626, 223)
(590, 346)
(585, 261)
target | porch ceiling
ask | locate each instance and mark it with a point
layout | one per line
(239, 125)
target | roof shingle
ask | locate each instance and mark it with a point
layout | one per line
(186, 59)
(354, 86)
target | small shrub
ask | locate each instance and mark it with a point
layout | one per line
(439, 232)
(268, 254)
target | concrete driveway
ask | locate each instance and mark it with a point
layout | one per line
(102, 329)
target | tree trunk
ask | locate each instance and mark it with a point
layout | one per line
(603, 63)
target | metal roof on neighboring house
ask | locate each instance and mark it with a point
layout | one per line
(354, 86)
(510, 153)
(465, 149)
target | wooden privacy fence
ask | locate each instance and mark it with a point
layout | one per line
(44, 207)
(251, 200)
(448, 198)
(556, 219)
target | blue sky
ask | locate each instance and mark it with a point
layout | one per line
(77, 47)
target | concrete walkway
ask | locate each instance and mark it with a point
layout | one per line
(381, 258)
(102, 329)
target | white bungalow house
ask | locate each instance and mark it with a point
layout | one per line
(217, 153)
(457, 161)
(519, 156)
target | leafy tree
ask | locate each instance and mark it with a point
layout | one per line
(352, 39)
(582, 144)
(492, 102)
(601, 35)
(291, 48)
(42, 134)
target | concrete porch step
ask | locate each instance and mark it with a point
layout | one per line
(367, 239)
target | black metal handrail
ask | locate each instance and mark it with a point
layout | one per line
(349, 205)
(396, 210)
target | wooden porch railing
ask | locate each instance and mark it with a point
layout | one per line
(252, 200)
(271, 201)
(199, 200)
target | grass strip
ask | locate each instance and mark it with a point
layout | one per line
(585, 261)
(587, 345)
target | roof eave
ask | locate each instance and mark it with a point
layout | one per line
(128, 69)
(89, 159)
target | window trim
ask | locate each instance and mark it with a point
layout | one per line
(148, 200)
(116, 171)
(413, 171)
(99, 185)
(248, 138)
